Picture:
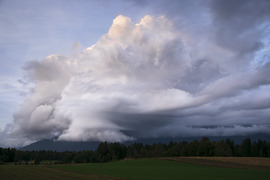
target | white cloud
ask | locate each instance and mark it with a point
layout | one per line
(140, 79)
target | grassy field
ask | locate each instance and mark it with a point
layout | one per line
(163, 169)
(131, 169)
(12, 172)
(230, 162)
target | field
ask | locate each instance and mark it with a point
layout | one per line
(229, 162)
(11, 172)
(137, 169)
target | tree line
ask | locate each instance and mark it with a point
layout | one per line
(106, 152)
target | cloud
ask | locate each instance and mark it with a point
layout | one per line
(130, 69)
(153, 79)
(241, 20)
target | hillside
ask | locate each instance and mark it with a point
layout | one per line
(60, 146)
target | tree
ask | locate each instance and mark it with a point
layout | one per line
(246, 147)
(103, 153)
(206, 147)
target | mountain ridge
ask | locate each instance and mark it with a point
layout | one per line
(61, 146)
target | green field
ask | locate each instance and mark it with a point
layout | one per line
(131, 169)
(162, 169)
(11, 172)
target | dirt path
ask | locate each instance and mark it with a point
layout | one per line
(230, 162)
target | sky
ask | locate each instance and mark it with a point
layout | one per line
(122, 70)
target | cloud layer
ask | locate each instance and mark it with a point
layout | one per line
(156, 79)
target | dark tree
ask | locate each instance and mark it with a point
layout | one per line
(246, 147)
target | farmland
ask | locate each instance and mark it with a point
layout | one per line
(164, 169)
(137, 169)
(229, 162)
(11, 172)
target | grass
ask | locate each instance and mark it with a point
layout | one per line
(141, 169)
(162, 169)
(230, 162)
(12, 172)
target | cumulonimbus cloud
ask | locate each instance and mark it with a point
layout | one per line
(139, 80)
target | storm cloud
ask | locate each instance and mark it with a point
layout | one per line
(163, 76)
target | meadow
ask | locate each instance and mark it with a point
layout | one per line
(23, 172)
(157, 169)
(148, 169)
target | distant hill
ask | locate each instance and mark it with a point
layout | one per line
(61, 146)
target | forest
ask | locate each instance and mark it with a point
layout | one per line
(107, 152)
